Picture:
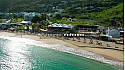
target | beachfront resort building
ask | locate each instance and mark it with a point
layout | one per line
(5, 26)
(112, 33)
(87, 30)
(59, 28)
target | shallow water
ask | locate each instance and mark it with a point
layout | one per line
(25, 54)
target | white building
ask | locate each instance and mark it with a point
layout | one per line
(114, 33)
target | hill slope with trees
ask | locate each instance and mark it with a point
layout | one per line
(107, 12)
(52, 5)
(111, 17)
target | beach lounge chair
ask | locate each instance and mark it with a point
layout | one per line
(116, 46)
(67, 38)
(73, 39)
(108, 45)
(91, 41)
(42, 34)
(40, 37)
(50, 35)
(84, 40)
(79, 39)
(100, 43)
(97, 42)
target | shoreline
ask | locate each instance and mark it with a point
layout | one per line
(109, 54)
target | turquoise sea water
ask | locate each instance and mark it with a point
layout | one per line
(22, 54)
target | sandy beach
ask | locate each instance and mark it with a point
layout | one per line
(110, 54)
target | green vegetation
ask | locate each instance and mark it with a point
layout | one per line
(110, 17)
(3, 20)
(36, 19)
(47, 5)
(41, 20)
(106, 12)
(75, 23)
(16, 20)
(67, 21)
(58, 16)
(23, 27)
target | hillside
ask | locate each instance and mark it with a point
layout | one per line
(110, 17)
(107, 12)
(53, 5)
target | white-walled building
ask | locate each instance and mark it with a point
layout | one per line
(114, 33)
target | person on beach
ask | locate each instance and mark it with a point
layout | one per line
(21, 35)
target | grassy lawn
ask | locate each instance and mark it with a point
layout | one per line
(16, 20)
(3, 20)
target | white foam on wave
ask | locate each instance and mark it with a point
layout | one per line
(66, 49)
